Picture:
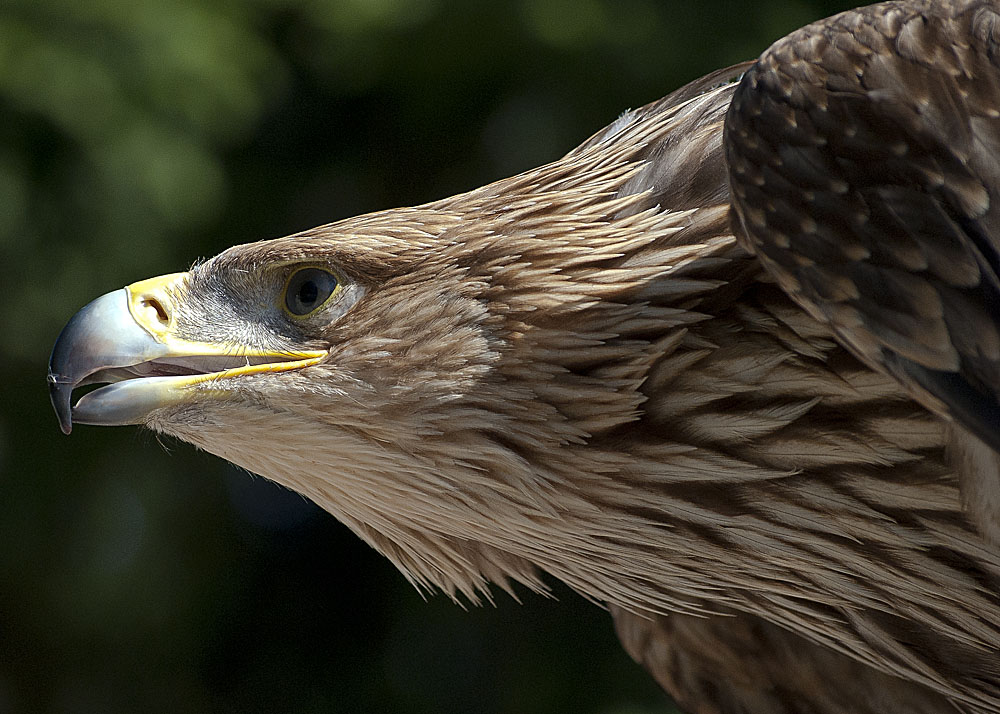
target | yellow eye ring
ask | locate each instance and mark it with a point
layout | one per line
(308, 290)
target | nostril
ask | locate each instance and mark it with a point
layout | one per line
(151, 302)
(154, 308)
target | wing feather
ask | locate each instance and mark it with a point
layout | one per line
(863, 155)
(864, 163)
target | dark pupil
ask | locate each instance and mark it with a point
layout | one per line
(308, 292)
(308, 289)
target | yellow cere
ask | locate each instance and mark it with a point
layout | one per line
(151, 303)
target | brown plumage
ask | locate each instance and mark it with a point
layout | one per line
(581, 370)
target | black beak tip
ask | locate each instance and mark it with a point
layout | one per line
(60, 394)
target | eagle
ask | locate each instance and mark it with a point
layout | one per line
(730, 369)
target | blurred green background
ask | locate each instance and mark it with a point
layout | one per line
(138, 135)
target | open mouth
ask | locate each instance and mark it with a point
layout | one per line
(207, 366)
(137, 370)
(125, 395)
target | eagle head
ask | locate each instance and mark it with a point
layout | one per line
(434, 376)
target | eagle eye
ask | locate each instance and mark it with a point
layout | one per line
(309, 289)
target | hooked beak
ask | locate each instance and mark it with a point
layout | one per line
(125, 339)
